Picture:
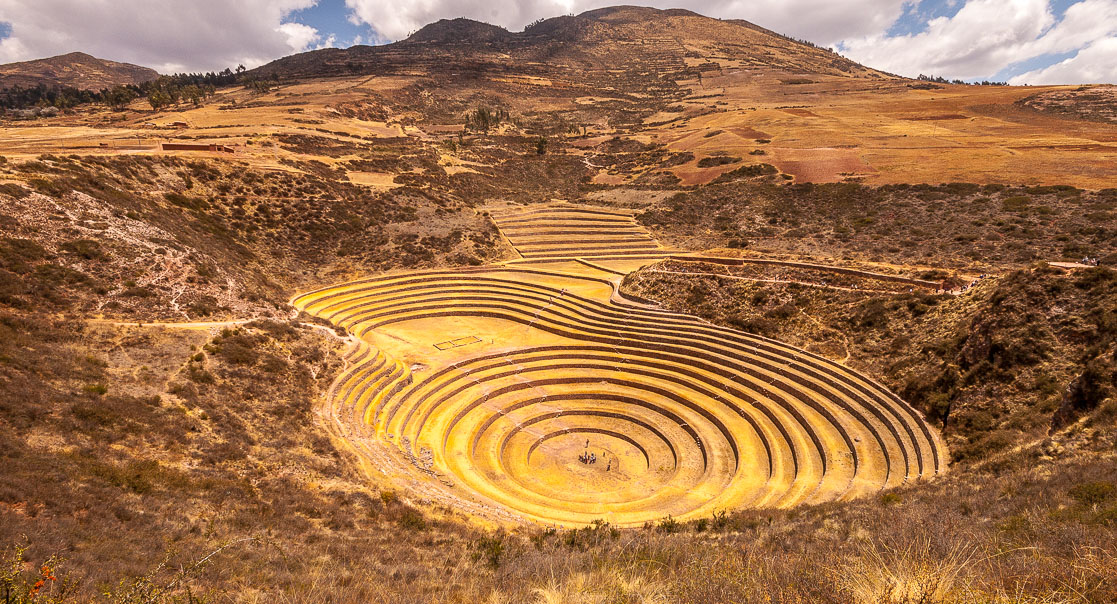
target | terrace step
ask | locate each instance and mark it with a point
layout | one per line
(696, 417)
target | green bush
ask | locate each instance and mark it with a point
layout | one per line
(490, 548)
(890, 499)
(717, 160)
(99, 389)
(749, 171)
(669, 525)
(412, 520)
(1093, 493)
(84, 248)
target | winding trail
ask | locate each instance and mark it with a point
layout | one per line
(173, 324)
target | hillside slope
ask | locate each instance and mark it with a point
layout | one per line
(625, 46)
(75, 70)
(168, 420)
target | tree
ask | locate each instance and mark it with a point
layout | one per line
(194, 93)
(159, 98)
(541, 145)
(118, 97)
(485, 119)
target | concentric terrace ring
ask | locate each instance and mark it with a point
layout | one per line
(601, 408)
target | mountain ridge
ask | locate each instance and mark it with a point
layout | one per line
(74, 70)
(626, 46)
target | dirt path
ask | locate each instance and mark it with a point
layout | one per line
(806, 283)
(824, 327)
(172, 325)
(207, 325)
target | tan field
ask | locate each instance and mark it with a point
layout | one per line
(887, 132)
(833, 129)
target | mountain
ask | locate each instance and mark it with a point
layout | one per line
(76, 70)
(618, 46)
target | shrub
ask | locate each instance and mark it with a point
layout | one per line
(782, 312)
(15, 253)
(178, 199)
(137, 292)
(750, 171)
(204, 306)
(47, 187)
(490, 548)
(1087, 390)
(669, 525)
(757, 325)
(1093, 493)
(236, 348)
(14, 190)
(84, 248)
(890, 499)
(873, 314)
(24, 583)
(1017, 203)
(982, 448)
(412, 520)
(717, 160)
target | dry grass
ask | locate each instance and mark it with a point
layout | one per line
(909, 574)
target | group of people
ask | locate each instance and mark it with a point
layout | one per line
(973, 283)
(589, 458)
(1088, 261)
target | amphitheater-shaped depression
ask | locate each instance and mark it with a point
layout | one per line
(537, 391)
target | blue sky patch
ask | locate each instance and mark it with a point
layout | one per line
(917, 14)
(332, 17)
(1032, 64)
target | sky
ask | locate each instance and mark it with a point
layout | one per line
(1019, 41)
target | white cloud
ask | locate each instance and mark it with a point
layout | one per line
(1095, 64)
(985, 37)
(1083, 23)
(168, 35)
(981, 39)
(822, 21)
(299, 36)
